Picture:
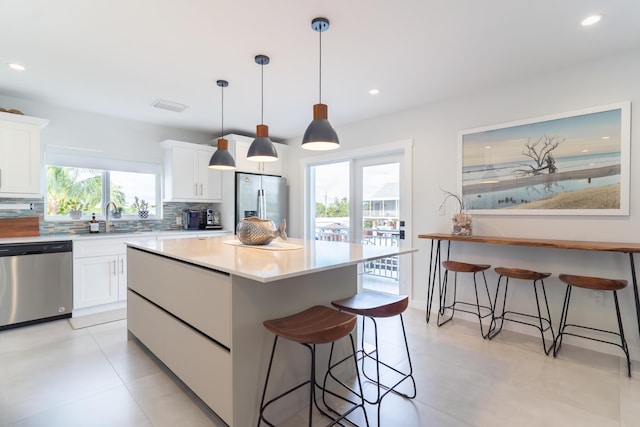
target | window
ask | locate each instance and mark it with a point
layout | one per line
(87, 184)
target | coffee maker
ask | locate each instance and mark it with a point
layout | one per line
(210, 220)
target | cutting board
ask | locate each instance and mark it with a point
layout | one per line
(19, 227)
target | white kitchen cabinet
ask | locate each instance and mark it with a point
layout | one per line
(20, 155)
(187, 176)
(99, 272)
(239, 147)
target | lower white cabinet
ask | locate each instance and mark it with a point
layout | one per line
(99, 272)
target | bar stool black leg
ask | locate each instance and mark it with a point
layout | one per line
(563, 321)
(266, 381)
(546, 303)
(359, 393)
(491, 305)
(494, 322)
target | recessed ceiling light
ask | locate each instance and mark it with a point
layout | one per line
(15, 66)
(606, 137)
(374, 91)
(590, 20)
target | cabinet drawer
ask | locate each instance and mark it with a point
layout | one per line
(198, 361)
(99, 247)
(203, 365)
(148, 323)
(198, 296)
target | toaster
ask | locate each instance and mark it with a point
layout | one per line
(190, 219)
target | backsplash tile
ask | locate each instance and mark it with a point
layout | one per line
(170, 212)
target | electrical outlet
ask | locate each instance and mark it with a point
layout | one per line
(598, 297)
(178, 220)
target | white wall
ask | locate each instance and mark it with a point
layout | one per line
(434, 130)
(112, 137)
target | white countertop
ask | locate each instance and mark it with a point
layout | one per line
(89, 236)
(265, 265)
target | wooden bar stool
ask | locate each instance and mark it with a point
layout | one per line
(371, 305)
(592, 283)
(543, 324)
(463, 267)
(315, 325)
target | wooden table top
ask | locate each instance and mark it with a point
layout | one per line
(626, 247)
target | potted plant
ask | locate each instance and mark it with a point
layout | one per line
(142, 206)
(75, 209)
(117, 213)
(462, 224)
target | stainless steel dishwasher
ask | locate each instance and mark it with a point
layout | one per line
(35, 282)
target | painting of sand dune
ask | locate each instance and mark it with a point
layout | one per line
(573, 163)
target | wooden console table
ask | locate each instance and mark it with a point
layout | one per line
(437, 239)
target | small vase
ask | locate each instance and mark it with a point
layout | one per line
(462, 225)
(143, 214)
(75, 214)
(116, 215)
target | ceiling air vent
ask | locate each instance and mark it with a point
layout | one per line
(169, 105)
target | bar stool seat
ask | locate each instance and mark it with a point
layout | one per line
(543, 324)
(315, 325)
(371, 305)
(599, 284)
(463, 267)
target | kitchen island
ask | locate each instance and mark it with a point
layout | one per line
(198, 305)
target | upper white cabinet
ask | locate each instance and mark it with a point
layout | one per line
(187, 176)
(239, 146)
(20, 155)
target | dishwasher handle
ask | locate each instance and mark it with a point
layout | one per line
(19, 249)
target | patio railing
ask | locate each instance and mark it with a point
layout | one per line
(385, 267)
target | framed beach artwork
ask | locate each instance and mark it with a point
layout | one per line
(575, 163)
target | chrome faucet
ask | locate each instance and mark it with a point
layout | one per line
(106, 214)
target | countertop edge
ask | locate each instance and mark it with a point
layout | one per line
(265, 279)
(102, 236)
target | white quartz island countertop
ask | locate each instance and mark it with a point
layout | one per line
(276, 261)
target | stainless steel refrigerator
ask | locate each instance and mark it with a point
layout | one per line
(264, 196)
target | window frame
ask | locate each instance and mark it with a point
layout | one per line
(106, 166)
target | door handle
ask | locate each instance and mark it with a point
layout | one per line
(201, 190)
(115, 271)
(195, 189)
(121, 266)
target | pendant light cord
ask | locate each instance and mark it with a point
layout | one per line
(222, 109)
(320, 72)
(261, 94)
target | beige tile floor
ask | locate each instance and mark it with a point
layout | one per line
(52, 375)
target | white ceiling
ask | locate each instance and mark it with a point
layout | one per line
(116, 57)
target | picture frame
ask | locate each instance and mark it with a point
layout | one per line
(573, 163)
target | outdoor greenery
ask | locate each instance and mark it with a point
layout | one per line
(339, 208)
(78, 189)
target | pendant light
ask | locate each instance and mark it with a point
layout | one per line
(262, 148)
(320, 135)
(221, 158)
